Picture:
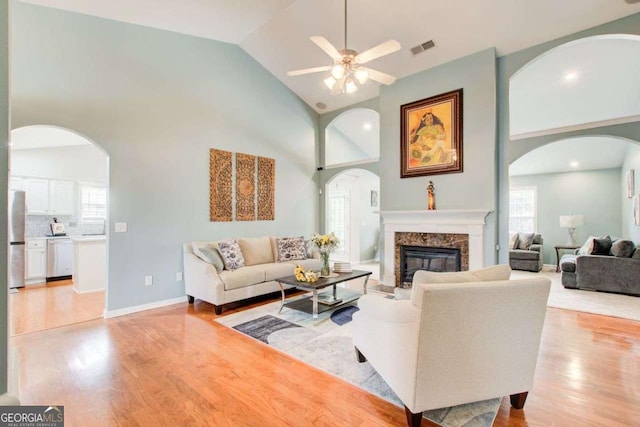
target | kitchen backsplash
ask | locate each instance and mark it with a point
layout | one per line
(38, 226)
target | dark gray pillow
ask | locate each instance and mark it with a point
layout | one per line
(622, 248)
(601, 246)
(636, 254)
(525, 240)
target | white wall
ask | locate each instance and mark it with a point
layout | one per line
(76, 163)
(632, 161)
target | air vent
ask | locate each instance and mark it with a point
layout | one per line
(422, 47)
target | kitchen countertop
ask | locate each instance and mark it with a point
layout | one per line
(88, 238)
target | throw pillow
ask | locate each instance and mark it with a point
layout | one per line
(256, 250)
(290, 248)
(587, 248)
(525, 240)
(513, 241)
(636, 254)
(622, 248)
(601, 246)
(212, 256)
(231, 254)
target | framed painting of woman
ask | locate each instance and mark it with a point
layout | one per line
(431, 135)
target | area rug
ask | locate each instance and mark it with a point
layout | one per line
(603, 303)
(327, 345)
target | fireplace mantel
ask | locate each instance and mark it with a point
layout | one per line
(456, 221)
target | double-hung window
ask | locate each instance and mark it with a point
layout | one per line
(93, 202)
(522, 209)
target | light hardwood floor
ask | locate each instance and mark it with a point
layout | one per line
(175, 366)
(51, 305)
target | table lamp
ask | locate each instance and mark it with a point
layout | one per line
(571, 222)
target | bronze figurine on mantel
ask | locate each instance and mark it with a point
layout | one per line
(431, 197)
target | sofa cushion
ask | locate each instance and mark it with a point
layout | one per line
(525, 240)
(636, 253)
(256, 250)
(208, 253)
(231, 254)
(601, 246)
(308, 264)
(290, 248)
(587, 248)
(242, 277)
(522, 254)
(622, 248)
(422, 279)
(275, 270)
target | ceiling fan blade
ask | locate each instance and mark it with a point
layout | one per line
(308, 70)
(380, 77)
(383, 49)
(328, 48)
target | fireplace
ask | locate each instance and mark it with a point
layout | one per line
(414, 258)
(455, 228)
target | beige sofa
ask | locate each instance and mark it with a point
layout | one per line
(221, 286)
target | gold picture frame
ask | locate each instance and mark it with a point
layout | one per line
(431, 135)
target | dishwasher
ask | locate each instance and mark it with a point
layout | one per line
(59, 259)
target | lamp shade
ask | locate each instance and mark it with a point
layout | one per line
(571, 221)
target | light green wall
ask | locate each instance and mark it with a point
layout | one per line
(4, 167)
(325, 175)
(511, 150)
(157, 101)
(632, 161)
(340, 149)
(474, 188)
(594, 194)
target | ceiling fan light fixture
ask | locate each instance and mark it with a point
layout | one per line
(337, 71)
(362, 76)
(350, 86)
(329, 81)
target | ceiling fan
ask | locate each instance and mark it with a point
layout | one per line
(347, 70)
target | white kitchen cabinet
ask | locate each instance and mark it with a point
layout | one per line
(49, 197)
(36, 260)
(61, 198)
(37, 196)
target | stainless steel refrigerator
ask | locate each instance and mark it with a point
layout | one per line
(17, 212)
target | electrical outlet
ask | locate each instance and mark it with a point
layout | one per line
(120, 227)
(178, 276)
(148, 280)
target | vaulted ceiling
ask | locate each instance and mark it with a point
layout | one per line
(276, 32)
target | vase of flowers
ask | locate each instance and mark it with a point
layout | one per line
(325, 243)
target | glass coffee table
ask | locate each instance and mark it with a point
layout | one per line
(319, 302)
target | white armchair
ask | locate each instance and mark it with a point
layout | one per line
(472, 336)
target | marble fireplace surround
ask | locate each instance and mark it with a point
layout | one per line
(468, 222)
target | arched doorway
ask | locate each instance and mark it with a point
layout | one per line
(574, 89)
(62, 176)
(573, 176)
(352, 213)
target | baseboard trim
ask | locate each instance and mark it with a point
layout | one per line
(86, 292)
(108, 314)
